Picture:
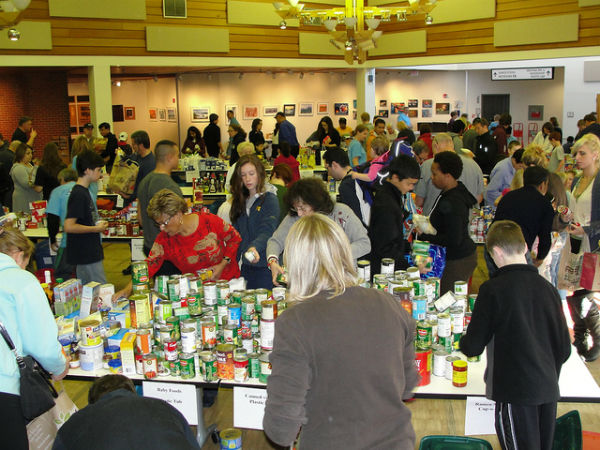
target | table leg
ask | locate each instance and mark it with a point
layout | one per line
(203, 432)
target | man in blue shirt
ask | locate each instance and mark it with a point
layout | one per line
(287, 133)
(56, 211)
(404, 118)
(502, 175)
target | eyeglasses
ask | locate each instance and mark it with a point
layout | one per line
(301, 208)
(165, 223)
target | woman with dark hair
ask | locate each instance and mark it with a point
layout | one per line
(256, 136)
(554, 122)
(255, 215)
(193, 143)
(47, 174)
(327, 135)
(237, 135)
(281, 178)
(307, 196)
(542, 139)
(450, 217)
(23, 175)
(286, 158)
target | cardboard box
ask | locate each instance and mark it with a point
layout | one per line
(89, 299)
(128, 354)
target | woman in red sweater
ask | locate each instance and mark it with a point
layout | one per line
(286, 158)
(190, 241)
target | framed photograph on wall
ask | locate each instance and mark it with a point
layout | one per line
(289, 110)
(395, 108)
(233, 108)
(427, 103)
(117, 113)
(426, 112)
(84, 115)
(153, 114)
(270, 111)
(413, 103)
(162, 114)
(129, 112)
(322, 108)
(200, 113)
(306, 109)
(251, 112)
(383, 113)
(413, 113)
(383, 103)
(171, 114)
(341, 109)
(442, 108)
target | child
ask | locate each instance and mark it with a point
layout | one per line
(84, 245)
(518, 316)
(380, 146)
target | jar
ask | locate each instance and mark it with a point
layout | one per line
(459, 373)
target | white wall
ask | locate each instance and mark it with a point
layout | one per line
(579, 96)
(141, 94)
(261, 89)
(439, 86)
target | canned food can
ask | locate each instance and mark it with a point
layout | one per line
(472, 299)
(413, 273)
(364, 269)
(248, 344)
(423, 364)
(419, 307)
(176, 332)
(174, 367)
(188, 340)
(439, 363)
(89, 331)
(191, 323)
(380, 282)
(404, 296)
(435, 283)
(247, 306)
(184, 286)
(150, 366)
(210, 293)
(419, 288)
(139, 272)
(186, 361)
(267, 334)
(138, 310)
(234, 314)
(221, 312)
(223, 292)
(449, 366)
(164, 310)
(387, 266)
(444, 325)
(209, 366)
(253, 366)
(265, 367)
(424, 334)
(230, 334)
(279, 293)
(261, 295)
(458, 320)
(209, 333)
(269, 310)
(225, 369)
(170, 349)
(231, 439)
(173, 289)
(240, 367)
(139, 364)
(461, 288)
(236, 296)
(160, 284)
(143, 340)
(446, 342)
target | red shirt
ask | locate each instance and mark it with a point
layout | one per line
(292, 164)
(204, 248)
(426, 137)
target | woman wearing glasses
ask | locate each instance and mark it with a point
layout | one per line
(308, 196)
(340, 353)
(191, 241)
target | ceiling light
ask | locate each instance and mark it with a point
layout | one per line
(349, 45)
(372, 23)
(282, 25)
(118, 84)
(350, 21)
(21, 5)
(14, 34)
(428, 20)
(330, 24)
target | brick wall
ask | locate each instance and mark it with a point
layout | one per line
(41, 95)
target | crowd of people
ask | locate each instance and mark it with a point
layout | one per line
(283, 224)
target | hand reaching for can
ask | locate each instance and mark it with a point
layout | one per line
(276, 270)
(252, 255)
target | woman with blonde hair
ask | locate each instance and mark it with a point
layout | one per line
(534, 156)
(586, 224)
(26, 315)
(79, 144)
(255, 215)
(191, 241)
(339, 346)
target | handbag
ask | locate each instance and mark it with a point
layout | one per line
(37, 392)
(590, 271)
(123, 176)
(570, 266)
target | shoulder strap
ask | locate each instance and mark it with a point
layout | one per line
(11, 345)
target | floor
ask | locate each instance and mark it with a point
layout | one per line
(445, 417)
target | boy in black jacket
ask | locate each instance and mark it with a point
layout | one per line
(518, 316)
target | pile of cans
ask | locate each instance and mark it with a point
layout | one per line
(441, 320)
(481, 220)
(191, 327)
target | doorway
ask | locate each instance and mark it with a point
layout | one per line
(492, 104)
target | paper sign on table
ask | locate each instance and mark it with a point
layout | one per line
(249, 407)
(120, 201)
(191, 174)
(181, 396)
(479, 416)
(137, 250)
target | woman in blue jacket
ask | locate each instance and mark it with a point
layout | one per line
(26, 315)
(255, 215)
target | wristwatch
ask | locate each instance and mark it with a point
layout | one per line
(227, 258)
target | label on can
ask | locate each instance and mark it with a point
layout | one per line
(269, 310)
(267, 334)
(234, 314)
(225, 369)
(210, 293)
(170, 349)
(364, 269)
(188, 340)
(139, 272)
(387, 266)
(150, 366)
(209, 366)
(424, 334)
(209, 333)
(444, 327)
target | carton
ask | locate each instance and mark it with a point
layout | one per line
(127, 353)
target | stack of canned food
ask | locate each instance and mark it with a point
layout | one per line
(441, 321)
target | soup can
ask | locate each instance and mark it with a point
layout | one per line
(225, 369)
(419, 307)
(209, 333)
(210, 293)
(209, 366)
(143, 341)
(186, 361)
(139, 272)
(267, 334)
(253, 366)
(269, 310)
(461, 288)
(234, 314)
(387, 266)
(240, 366)
(150, 366)
(188, 340)
(364, 269)
(265, 367)
(423, 364)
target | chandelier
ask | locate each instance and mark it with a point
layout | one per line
(10, 15)
(360, 22)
